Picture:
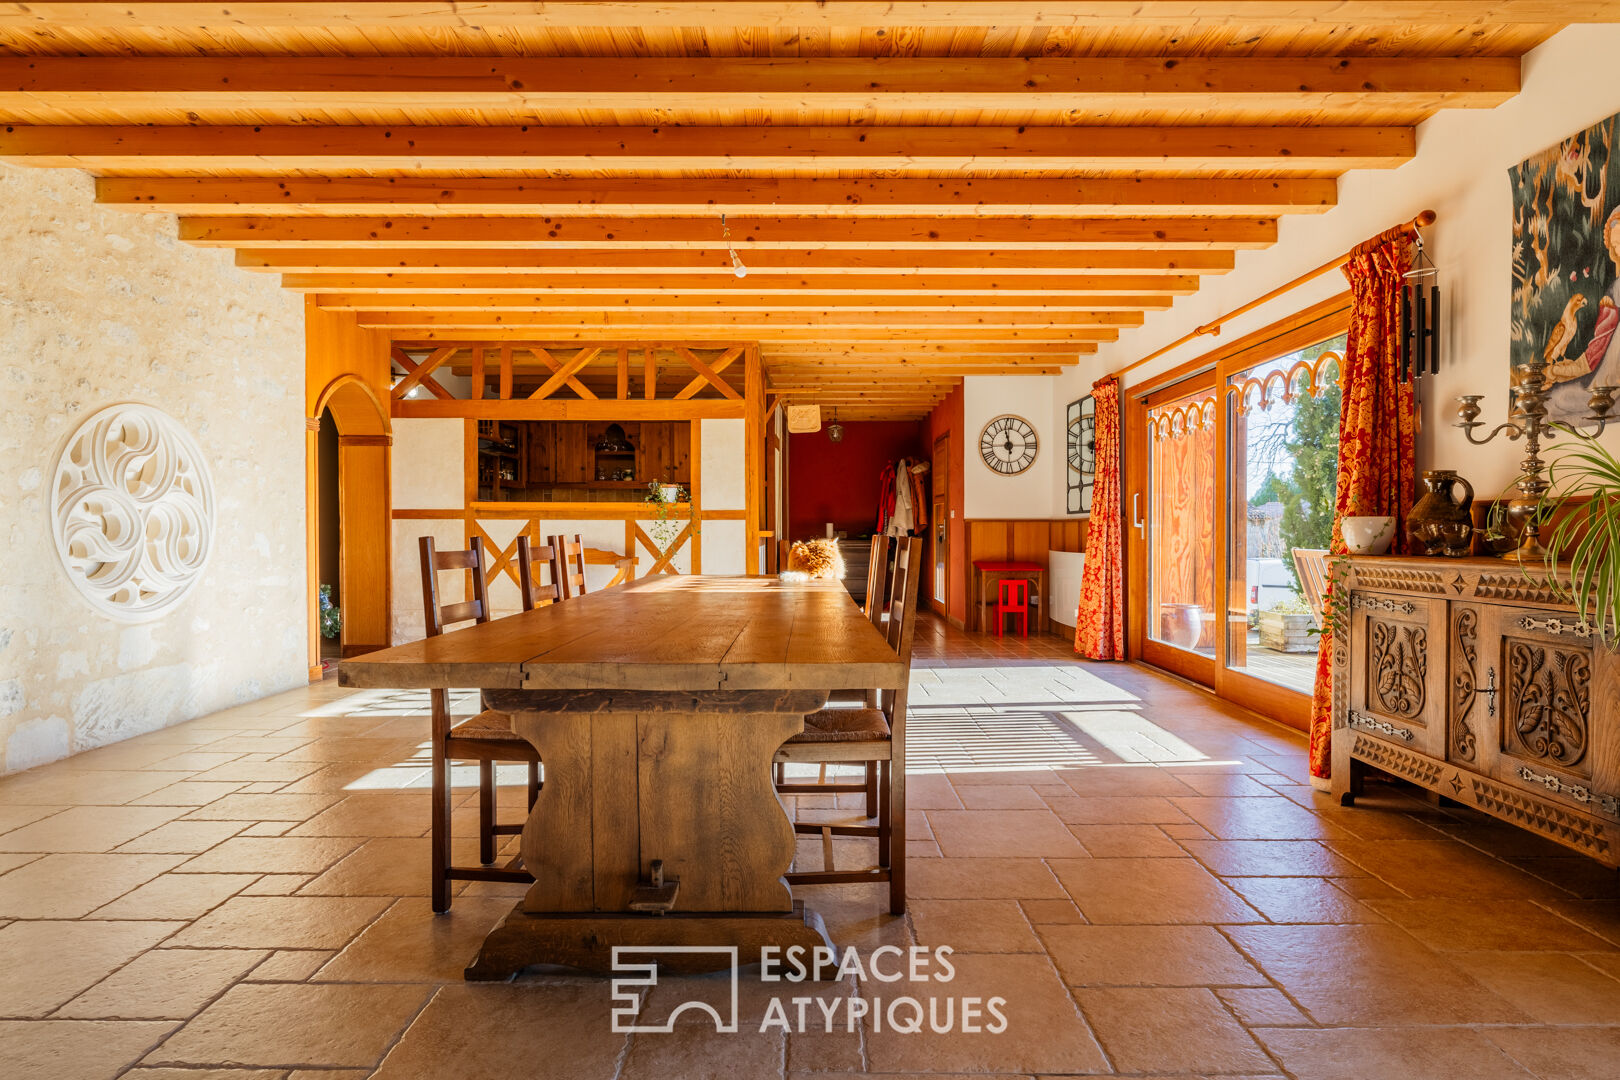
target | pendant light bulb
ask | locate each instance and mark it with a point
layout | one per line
(737, 266)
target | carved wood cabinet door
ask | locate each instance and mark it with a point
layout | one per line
(1556, 710)
(1397, 664)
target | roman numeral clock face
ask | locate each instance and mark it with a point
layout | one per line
(1008, 445)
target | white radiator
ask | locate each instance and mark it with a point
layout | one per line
(1063, 570)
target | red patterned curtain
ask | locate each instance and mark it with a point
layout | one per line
(1377, 435)
(1099, 628)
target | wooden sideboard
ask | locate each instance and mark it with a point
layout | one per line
(1470, 678)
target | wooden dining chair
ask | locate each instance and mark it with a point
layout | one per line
(486, 738)
(876, 607)
(572, 555)
(624, 566)
(534, 592)
(869, 735)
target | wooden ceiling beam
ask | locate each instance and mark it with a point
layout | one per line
(747, 234)
(858, 84)
(812, 303)
(788, 14)
(1151, 289)
(269, 149)
(954, 196)
(691, 265)
(743, 324)
(437, 326)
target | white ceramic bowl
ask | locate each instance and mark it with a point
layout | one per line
(1369, 535)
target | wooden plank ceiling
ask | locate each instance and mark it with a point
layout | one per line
(918, 189)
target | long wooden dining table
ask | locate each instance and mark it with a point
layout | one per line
(657, 708)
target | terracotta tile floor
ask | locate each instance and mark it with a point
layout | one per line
(1141, 871)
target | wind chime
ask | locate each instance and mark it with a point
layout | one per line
(1420, 317)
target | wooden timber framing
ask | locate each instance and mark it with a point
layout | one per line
(912, 191)
(695, 388)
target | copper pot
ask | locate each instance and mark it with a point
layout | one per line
(1439, 515)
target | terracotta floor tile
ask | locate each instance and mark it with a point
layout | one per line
(87, 828)
(76, 1049)
(1270, 858)
(1044, 1032)
(930, 791)
(698, 1052)
(979, 834)
(999, 797)
(247, 772)
(1389, 1054)
(278, 885)
(217, 1074)
(1127, 780)
(290, 965)
(1601, 917)
(1442, 868)
(1257, 819)
(1127, 841)
(1147, 956)
(163, 984)
(1263, 1007)
(386, 866)
(1170, 1031)
(175, 896)
(1116, 810)
(349, 1026)
(54, 785)
(272, 855)
(1479, 925)
(981, 879)
(16, 816)
(357, 748)
(282, 922)
(72, 886)
(269, 807)
(411, 944)
(62, 959)
(1553, 988)
(973, 926)
(1380, 976)
(1051, 912)
(491, 1034)
(183, 837)
(1302, 900)
(1150, 891)
(188, 793)
(1565, 1054)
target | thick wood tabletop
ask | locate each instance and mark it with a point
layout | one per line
(670, 632)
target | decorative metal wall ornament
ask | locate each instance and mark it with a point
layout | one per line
(1179, 421)
(1420, 316)
(1304, 377)
(132, 511)
(1081, 427)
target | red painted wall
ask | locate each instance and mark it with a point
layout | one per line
(948, 419)
(838, 482)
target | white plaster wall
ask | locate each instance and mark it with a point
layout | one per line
(724, 462)
(97, 307)
(988, 494)
(1460, 172)
(427, 472)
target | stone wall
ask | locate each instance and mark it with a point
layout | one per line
(99, 307)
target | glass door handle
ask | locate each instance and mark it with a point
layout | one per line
(1136, 514)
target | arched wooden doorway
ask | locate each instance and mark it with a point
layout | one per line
(364, 441)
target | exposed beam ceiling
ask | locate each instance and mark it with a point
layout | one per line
(918, 190)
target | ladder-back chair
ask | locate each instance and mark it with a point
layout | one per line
(486, 738)
(873, 736)
(534, 592)
(571, 552)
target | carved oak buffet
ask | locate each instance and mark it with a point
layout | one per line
(1471, 678)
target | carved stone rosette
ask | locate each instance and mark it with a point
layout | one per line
(132, 509)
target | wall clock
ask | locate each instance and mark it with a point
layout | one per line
(1082, 438)
(1008, 445)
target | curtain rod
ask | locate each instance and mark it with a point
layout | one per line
(1214, 328)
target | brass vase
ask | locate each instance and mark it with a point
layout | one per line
(1440, 523)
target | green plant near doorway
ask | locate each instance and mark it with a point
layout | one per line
(331, 615)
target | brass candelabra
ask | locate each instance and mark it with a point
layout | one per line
(1528, 421)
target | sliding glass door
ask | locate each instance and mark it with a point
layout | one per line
(1231, 468)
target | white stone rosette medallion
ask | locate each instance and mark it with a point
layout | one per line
(132, 508)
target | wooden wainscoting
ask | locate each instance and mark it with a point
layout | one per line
(1025, 541)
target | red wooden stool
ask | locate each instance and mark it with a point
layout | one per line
(1014, 600)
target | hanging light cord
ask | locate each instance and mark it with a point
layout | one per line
(737, 266)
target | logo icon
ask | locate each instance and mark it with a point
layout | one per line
(636, 975)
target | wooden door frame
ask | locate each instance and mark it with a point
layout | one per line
(1316, 323)
(941, 499)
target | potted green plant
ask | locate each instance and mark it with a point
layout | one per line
(1285, 625)
(1585, 479)
(662, 497)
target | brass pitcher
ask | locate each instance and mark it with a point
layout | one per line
(1441, 523)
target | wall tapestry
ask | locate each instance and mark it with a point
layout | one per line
(1566, 265)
